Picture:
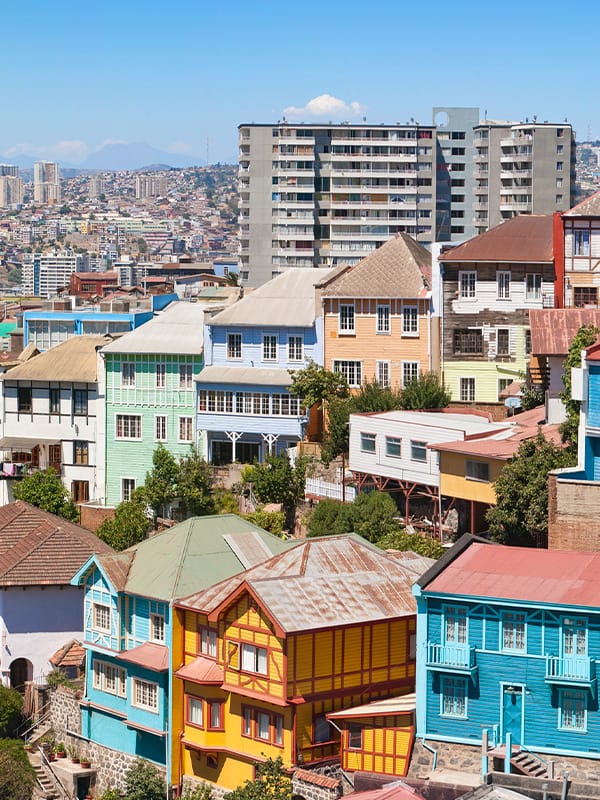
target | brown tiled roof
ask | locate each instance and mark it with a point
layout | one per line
(553, 329)
(71, 654)
(38, 548)
(307, 776)
(523, 239)
(399, 268)
(590, 207)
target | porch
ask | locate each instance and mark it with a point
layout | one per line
(19, 456)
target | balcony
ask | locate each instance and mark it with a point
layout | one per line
(451, 658)
(571, 671)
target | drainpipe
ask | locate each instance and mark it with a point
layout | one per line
(565, 785)
(431, 750)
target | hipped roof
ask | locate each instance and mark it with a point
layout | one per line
(553, 329)
(74, 360)
(524, 239)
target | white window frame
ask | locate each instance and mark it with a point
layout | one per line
(234, 347)
(185, 426)
(503, 383)
(456, 625)
(160, 428)
(383, 373)
(571, 628)
(576, 695)
(295, 348)
(128, 423)
(462, 381)
(97, 610)
(467, 285)
(254, 659)
(383, 318)
(513, 639)
(157, 628)
(533, 294)
(414, 367)
(581, 242)
(395, 442)
(139, 688)
(417, 445)
(348, 367)
(410, 320)
(208, 642)
(128, 487)
(347, 319)
(503, 281)
(269, 347)
(457, 701)
(128, 374)
(186, 377)
(160, 375)
(368, 442)
(109, 678)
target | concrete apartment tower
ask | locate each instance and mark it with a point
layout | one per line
(11, 186)
(323, 195)
(46, 182)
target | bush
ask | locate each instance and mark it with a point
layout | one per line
(271, 521)
(143, 782)
(11, 711)
(17, 777)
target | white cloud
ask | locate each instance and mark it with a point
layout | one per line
(326, 105)
(110, 141)
(183, 148)
(67, 150)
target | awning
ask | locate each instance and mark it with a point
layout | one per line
(151, 656)
(402, 704)
(202, 670)
(24, 442)
(248, 376)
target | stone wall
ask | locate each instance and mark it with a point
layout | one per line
(573, 515)
(65, 713)
(218, 792)
(309, 785)
(460, 757)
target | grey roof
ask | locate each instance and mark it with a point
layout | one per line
(177, 329)
(590, 207)
(250, 376)
(289, 299)
(74, 360)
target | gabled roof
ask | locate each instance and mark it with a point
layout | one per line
(398, 790)
(73, 360)
(399, 268)
(38, 548)
(524, 239)
(319, 583)
(71, 654)
(553, 329)
(590, 207)
(288, 300)
(189, 557)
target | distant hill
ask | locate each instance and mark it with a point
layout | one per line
(136, 155)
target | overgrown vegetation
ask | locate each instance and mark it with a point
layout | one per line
(277, 481)
(585, 336)
(130, 524)
(271, 783)
(11, 711)
(17, 776)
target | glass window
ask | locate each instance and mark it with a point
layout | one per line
(160, 430)
(513, 631)
(195, 711)
(54, 400)
(346, 318)
(254, 659)
(262, 725)
(161, 375)
(527, 342)
(456, 624)
(321, 729)
(186, 376)
(101, 617)
(581, 243)
(410, 372)
(145, 694)
(215, 709)
(383, 319)
(186, 429)
(269, 348)
(208, 642)
(477, 470)
(454, 697)
(127, 488)
(157, 627)
(81, 452)
(533, 287)
(80, 402)
(24, 399)
(503, 285)
(503, 383)
(467, 282)
(383, 373)
(410, 320)
(367, 442)
(247, 722)
(355, 736)
(467, 390)
(129, 426)
(351, 370)
(128, 374)
(585, 296)
(393, 446)
(295, 348)
(234, 346)
(468, 341)
(573, 710)
(418, 451)
(574, 637)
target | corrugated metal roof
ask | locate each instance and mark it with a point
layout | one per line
(149, 655)
(319, 583)
(590, 207)
(555, 577)
(289, 300)
(177, 329)
(553, 329)
(202, 670)
(249, 376)
(402, 704)
(523, 239)
(399, 268)
(73, 360)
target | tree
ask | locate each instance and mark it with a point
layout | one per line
(160, 487)
(17, 776)
(142, 246)
(426, 391)
(271, 783)
(143, 782)
(315, 384)
(277, 481)
(11, 710)
(203, 792)
(585, 336)
(330, 517)
(401, 540)
(520, 516)
(45, 490)
(130, 524)
(371, 515)
(194, 486)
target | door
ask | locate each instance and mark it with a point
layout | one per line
(512, 713)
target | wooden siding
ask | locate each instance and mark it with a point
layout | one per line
(252, 340)
(593, 398)
(454, 483)
(386, 746)
(487, 376)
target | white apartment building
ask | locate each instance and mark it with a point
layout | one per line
(11, 191)
(45, 273)
(150, 186)
(46, 182)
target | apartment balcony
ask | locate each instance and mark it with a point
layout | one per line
(293, 252)
(517, 207)
(459, 658)
(571, 671)
(481, 159)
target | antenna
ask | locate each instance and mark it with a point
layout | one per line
(207, 152)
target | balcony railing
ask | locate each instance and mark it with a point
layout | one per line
(571, 670)
(451, 657)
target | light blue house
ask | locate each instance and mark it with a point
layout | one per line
(244, 408)
(508, 642)
(128, 625)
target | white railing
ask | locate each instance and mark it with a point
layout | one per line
(335, 491)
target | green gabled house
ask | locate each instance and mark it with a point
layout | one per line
(151, 395)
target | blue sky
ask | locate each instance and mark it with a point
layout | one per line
(74, 74)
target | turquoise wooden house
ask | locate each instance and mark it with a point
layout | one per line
(128, 624)
(151, 395)
(508, 640)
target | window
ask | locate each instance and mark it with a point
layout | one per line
(559, 166)
(195, 711)
(574, 637)
(145, 694)
(160, 429)
(157, 627)
(254, 659)
(513, 631)
(208, 642)
(54, 400)
(185, 429)
(573, 710)
(80, 402)
(128, 374)
(186, 376)
(527, 342)
(259, 724)
(24, 402)
(383, 373)
(367, 442)
(262, 725)
(456, 624)
(468, 341)
(129, 426)
(321, 730)
(467, 282)
(295, 348)
(503, 383)
(581, 243)
(346, 318)
(533, 287)
(503, 285)
(101, 617)
(393, 446)
(269, 347)
(127, 488)
(351, 370)
(278, 729)
(109, 678)
(503, 342)
(477, 470)
(161, 375)
(467, 390)
(355, 736)
(585, 296)
(383, 319)
(410, 372)
(81, 452)
(454, 697)
(410, 320)
(418, 450)
(247, 722)
(80, 491)
(215, 714)
(234, 346)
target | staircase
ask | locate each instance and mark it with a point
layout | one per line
(43, 788)
(526, 763)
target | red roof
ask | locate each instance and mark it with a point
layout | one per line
(202, 670)
(555, 577)
(71, 654)
(151, 656)
(393, 791)
(553, 329)
(523, 239)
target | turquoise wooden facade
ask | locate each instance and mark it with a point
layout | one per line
(489, 658)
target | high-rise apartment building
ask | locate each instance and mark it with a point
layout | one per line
(46, 182)
(322, 195)
(9, 169)
(150, 186)
(11, 186)
(44, 274)
(95, 187)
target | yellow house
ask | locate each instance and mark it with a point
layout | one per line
(261, 659)
(377, 316)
